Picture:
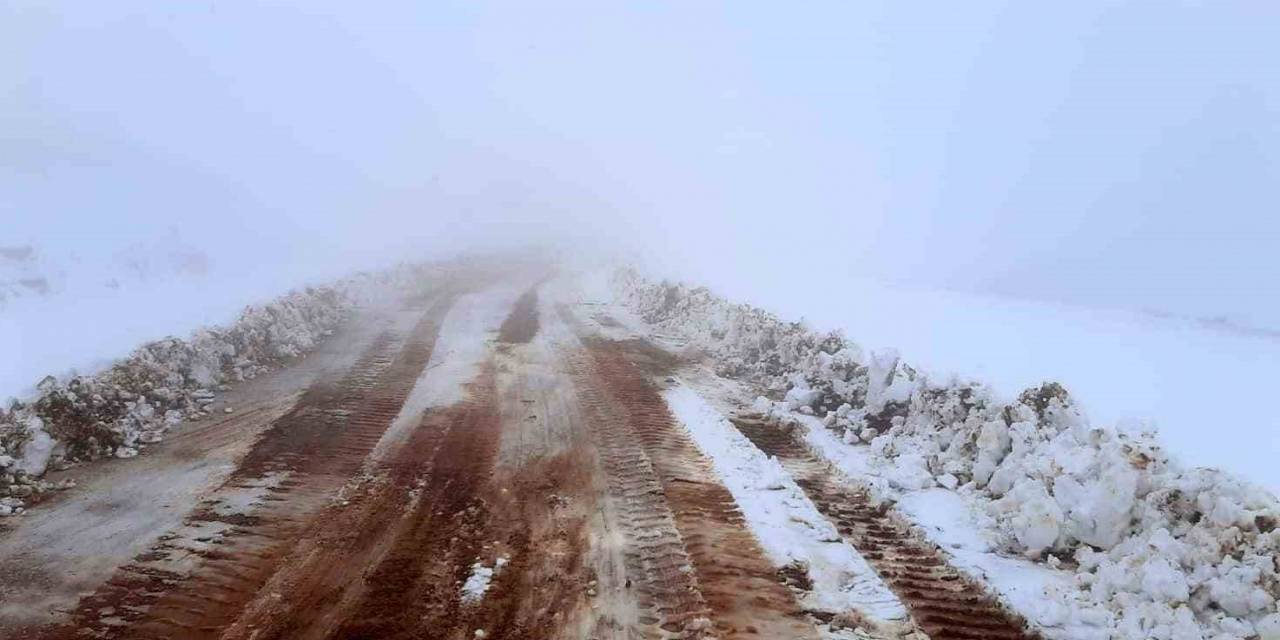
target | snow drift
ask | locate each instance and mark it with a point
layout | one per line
(1165, 551)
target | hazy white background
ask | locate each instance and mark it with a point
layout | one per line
(843, 161)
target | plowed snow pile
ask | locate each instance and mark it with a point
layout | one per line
(1157, 550)
(132, 403)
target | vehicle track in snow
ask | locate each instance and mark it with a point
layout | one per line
(195, 580)
(389, 560)
(658, 565)
(704, 573)
(411, 590)
(558, 467)
(944, 603)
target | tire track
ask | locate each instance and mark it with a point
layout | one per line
(658, 565)
(463, 510)
(707, 575)
(196, 580)
(944, 603)
(412, 590)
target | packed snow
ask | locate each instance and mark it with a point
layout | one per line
(789, 527)
(460, 350)
(461, 347)
(1151, 548)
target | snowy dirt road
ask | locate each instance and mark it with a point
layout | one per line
(497, 460)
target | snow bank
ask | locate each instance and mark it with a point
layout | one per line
(1170, 552)
(118, 411)
(1120, 364)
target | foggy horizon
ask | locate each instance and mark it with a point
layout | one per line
(1089, 155)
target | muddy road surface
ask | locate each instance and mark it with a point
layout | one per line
(493, 460)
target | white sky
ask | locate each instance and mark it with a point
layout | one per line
(1106, 154)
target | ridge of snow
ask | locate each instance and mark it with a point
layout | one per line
(1169, 552)
(132, 403)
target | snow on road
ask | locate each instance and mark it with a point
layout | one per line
(477, 584)
(788, 526)
(460, 350)
(462, 346)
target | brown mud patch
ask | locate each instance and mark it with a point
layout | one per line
(528, 525)
(641, 354)
(522, 324)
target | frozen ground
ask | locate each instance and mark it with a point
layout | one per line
(1120, 366)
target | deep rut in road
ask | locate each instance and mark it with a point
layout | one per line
(943, 602)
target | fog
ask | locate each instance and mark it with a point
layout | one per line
(1093, 155)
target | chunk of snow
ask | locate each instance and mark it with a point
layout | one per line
(1163, 581)
(909, 471)
(477, 583)
(1268, 628)
(801, 396)
(37, 450)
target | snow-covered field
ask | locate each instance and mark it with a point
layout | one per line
(62, 313)
(1088, 529)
